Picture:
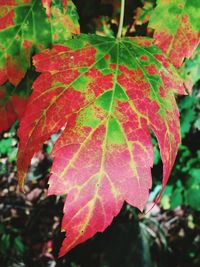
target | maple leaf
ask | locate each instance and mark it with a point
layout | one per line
(11, 109)
(107, 93)
(25, 29)
(178, 33)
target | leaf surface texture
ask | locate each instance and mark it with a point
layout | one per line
(177, 28)
(107, 94)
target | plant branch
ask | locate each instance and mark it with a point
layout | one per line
(121, 21)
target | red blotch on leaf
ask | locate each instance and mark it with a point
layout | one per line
(14, 74)
(144, 58)
(7, 20)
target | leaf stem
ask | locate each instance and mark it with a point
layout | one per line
(121, 21)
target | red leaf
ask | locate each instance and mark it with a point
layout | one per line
(107, 93)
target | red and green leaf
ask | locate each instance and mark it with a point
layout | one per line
(177, 28)
(26, 29)
(108, 94)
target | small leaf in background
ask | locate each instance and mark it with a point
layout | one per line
(190, 70)
(156, 150)
(107, 93)
(176, 199)
(177, 28)
(192, 67)
(172, 196)
(5, 243)
(192, 192)
(143, 14)
(11, 109)
(189, 110)
(5, 146)
(19, 246)
(165, 200)
(191, 224)
(26, 29)
(187, 118)
(192, 197)
(103, 27)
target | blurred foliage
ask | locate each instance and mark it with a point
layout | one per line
(167, 234)
(187, 189)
